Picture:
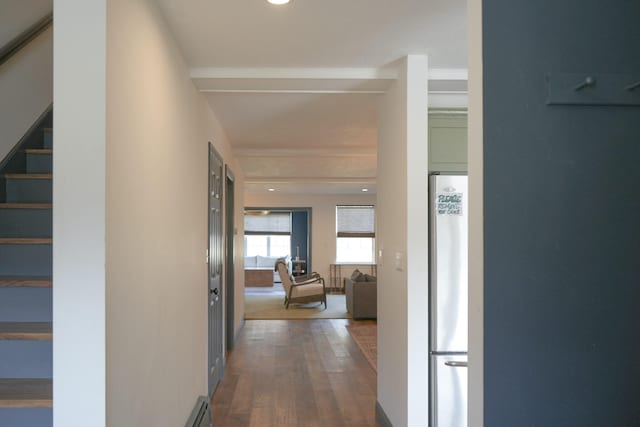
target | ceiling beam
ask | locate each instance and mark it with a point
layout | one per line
(295, 73)
(449, 74)
(294, 91)
(301, 153)
(308, 180)
(366, 81)
(385, 73)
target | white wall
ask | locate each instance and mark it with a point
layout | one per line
(130, 219)
(402, 211)
(476, 209)
(323, 219)
(79, 214)
(158, 127)
(26, 85)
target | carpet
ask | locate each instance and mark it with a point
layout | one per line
(366, 337)
(261, 306)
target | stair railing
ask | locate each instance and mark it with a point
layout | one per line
(23, 39)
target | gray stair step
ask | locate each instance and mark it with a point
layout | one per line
(39, 161)
(25, 221)
(21, 417)
(20, 259)
(26, 359)
(29, 188)
(26, 305)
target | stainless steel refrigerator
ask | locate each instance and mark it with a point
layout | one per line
(448, 231)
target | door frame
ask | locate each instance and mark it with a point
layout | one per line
(230, 235)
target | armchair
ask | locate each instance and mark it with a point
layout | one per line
(307, 289)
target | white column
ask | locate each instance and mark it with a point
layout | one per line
(476, 232)
(417, 240)
(79, 213)
(402, 236)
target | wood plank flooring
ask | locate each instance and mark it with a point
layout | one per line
(298, 373)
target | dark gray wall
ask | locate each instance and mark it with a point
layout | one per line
(300, 236)
(562, 219)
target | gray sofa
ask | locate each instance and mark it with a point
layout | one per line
(362, 298)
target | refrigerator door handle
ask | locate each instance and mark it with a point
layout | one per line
(456, 364)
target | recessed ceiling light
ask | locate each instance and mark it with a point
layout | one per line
(365, 190)
(271, 189)
(278, 1)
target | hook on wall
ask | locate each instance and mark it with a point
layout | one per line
(593, 88)
(588, 81)
(632, 86)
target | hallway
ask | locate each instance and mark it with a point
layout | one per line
(296, 373)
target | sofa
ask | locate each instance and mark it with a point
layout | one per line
(259, 270)
(362, 296)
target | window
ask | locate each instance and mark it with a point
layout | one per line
(355, 237)
(269, 245)
(267, 233)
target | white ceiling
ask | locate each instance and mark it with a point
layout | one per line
(318, 33)
(297, 120)
(296, 87)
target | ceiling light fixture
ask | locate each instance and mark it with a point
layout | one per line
(271, 189)
(278, 2)
(365, 190)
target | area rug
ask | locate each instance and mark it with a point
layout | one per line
(366, 337)
(269, 306)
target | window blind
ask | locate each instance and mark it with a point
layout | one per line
(259, 222)
(355, 221)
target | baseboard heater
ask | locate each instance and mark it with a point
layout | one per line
(201, 414)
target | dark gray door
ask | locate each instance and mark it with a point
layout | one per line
(215, 269)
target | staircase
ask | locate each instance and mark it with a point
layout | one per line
(26, 369)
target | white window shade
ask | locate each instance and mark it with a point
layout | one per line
(258, 222)
(355, 221)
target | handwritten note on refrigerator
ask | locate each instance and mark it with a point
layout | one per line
(449, 203)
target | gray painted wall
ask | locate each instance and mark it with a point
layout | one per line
(562, 229)
(17, 15)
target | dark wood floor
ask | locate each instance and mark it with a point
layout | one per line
(296, 373)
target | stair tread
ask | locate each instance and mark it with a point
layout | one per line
(26, 393)
(25, 281)
(36, 331)
(38, 151)
(26, 205)
(28, 176)
(25, 240)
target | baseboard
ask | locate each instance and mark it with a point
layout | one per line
(381, 416)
